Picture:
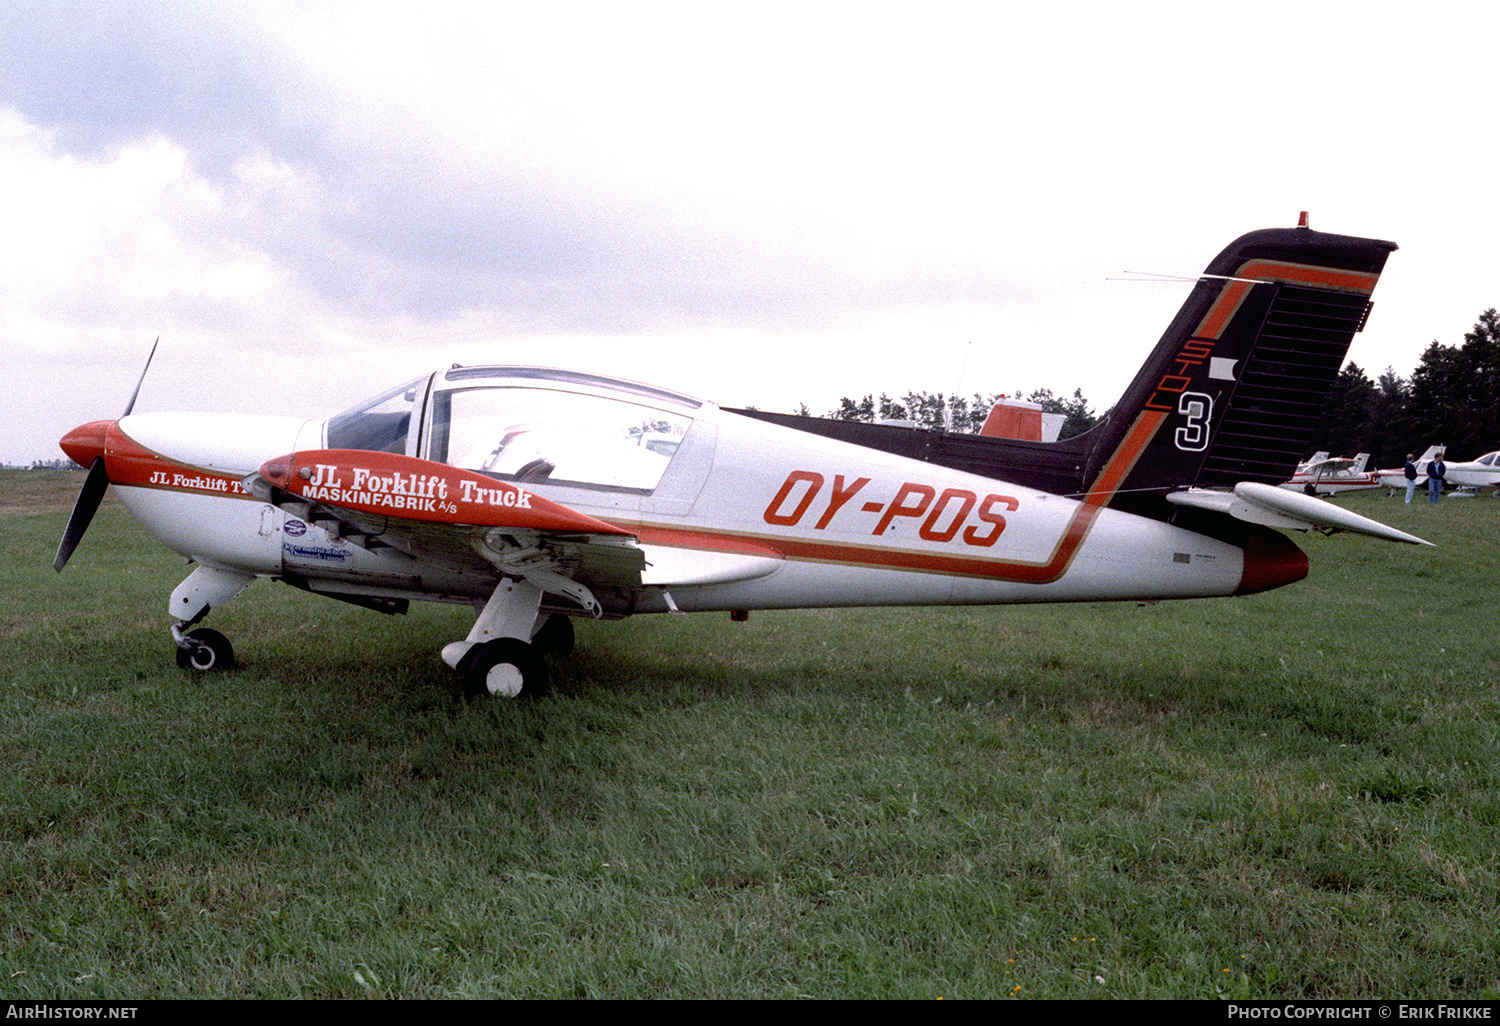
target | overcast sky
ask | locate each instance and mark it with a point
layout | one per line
(760, 204)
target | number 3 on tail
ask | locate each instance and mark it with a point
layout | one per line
(1197, 410)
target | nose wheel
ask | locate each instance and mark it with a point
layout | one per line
(203, 649)
(504, 668)
(206, 588)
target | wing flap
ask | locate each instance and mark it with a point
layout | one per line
(668, 566)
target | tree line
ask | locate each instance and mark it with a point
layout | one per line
(55, 464)
(961, 414)
(1452, 399)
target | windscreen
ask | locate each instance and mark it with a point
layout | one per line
(380, 424)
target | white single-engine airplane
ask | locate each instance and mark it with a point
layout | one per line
(1395, 477)
(1483, 472)
(1321, 475)
(537, 495)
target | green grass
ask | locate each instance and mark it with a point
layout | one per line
(1282, 796)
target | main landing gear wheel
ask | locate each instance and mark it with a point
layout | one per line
(505, 668)
(206, 650)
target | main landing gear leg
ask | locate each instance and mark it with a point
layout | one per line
(206, 588)
(497, 658)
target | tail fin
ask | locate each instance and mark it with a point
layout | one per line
(1237, 385)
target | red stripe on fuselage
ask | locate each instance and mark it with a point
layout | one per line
(132, 465)
(1016, 571)
(1045, 571)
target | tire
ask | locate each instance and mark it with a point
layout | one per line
(505, 668)
(207, 650)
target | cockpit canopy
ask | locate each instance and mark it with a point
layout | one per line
(526, 424)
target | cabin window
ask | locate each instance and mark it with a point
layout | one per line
(380, 424)
(533, 435)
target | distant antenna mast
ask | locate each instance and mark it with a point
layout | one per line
(963, 368)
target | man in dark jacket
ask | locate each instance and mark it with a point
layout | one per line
(1436, 471)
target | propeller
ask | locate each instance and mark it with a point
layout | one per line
(86, 439)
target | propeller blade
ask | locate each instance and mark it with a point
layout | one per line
(142, 380)
(84, 509)
(77, 444)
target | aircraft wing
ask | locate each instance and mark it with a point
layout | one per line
(1334, 463)
(452, 517)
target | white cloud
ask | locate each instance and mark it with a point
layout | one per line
(116, 244)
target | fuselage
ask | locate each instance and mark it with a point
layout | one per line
(732, 513)
(1481, 473)
(1332, 484)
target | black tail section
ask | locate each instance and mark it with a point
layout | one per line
(1231, 393)
(1237, 385)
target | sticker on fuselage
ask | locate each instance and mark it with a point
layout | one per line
(315, 553)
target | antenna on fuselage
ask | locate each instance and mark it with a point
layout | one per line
(958, 389)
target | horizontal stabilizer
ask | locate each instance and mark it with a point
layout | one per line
(1270, 506)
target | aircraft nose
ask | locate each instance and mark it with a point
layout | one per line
(85, 443)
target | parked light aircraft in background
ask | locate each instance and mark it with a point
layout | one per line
(537, 495)
(1396, 478)
(1323, 476)
(1481, 473)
